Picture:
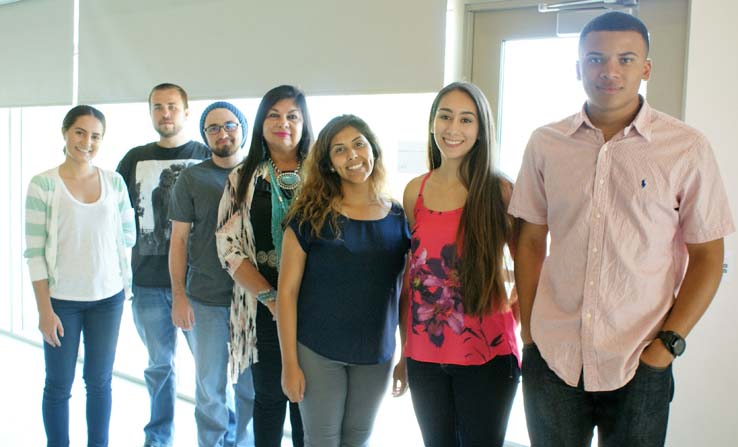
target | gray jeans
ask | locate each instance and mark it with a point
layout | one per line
(341, 399)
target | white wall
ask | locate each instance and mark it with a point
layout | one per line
(705, 407)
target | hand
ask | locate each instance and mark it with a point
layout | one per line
(182, 315)
(272, 306)
(525, 335)
(293, 383)
(51, 328)
(656, 355)
(399, 378)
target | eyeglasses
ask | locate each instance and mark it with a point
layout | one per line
(214, 129)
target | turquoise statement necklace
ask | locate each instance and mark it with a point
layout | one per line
(288, 180)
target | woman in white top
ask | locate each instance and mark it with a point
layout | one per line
(79, 224)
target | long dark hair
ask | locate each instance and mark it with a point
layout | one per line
(258, 151)
(485, 226)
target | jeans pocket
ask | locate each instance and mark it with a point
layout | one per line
(655, 369)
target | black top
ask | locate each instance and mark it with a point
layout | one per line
(266, 256)
(150, 172)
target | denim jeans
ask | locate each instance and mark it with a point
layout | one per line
(560, 415)
(209, 338)
(341, 399)
(98, 322)
(152, 314)
(460, 405)
(270, 402)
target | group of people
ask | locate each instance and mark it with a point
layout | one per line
(291, 269)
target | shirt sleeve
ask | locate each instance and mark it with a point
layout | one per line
(230, 235)
(181, 203)
(127, 215)
(36, 230)
(704, 210)
(529, 200)
(304, 236)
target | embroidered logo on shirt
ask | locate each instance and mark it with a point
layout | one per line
(643, 183)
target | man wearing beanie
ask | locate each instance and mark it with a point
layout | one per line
(201, 288)
(150, 172)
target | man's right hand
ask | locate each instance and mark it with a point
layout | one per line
(182, 315)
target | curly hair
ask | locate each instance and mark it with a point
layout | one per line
(320, 197)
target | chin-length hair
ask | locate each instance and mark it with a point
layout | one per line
(258, 151)
(485, 227)
(320, 197)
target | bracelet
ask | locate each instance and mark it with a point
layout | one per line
(266, 296)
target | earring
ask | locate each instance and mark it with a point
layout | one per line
(333, 169)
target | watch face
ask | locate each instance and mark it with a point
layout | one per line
(678, 346)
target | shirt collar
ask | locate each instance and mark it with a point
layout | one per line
(641, 123)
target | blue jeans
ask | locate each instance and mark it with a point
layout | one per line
(209, 339)
(460, 405)
(560, 415)
(99, 322)
(152, 314)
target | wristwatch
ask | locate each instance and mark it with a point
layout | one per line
(673, 342)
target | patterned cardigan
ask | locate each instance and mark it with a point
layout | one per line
(235, 241)
(42, 225)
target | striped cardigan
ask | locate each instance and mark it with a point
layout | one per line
(42, 221)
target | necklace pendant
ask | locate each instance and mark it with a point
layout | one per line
(289, 180)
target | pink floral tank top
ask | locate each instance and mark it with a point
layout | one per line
(438, 330)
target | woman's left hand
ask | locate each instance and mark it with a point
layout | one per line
(399, 378)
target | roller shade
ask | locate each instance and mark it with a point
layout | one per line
(237, 48)
(36, 53)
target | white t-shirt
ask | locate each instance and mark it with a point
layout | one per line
(87, 258)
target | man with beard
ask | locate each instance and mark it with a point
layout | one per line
(201, 288)
(142, 169)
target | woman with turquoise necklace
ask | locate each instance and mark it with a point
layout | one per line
(256, 199)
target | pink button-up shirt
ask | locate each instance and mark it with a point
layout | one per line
(619, 214)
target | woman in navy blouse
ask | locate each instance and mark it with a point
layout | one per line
(342, 259)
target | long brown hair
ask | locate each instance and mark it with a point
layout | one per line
(321, 193)
(485, 226)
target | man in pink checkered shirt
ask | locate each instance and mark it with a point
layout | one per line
(636, 211)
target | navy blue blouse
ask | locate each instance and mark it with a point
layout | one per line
(347, 305)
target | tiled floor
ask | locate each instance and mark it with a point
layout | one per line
(22, 378)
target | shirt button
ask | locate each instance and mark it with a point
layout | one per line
(594, 250)
(598, 215)
(602, 182)
(591, 283)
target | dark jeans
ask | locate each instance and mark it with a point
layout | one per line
(270, 402)
(98, 322)
(559, 415)
(464, 406)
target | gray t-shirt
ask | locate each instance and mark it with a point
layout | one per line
(195, 200)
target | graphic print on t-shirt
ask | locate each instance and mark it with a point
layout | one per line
(155, 181)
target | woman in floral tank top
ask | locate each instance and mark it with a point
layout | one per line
(460, 353)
